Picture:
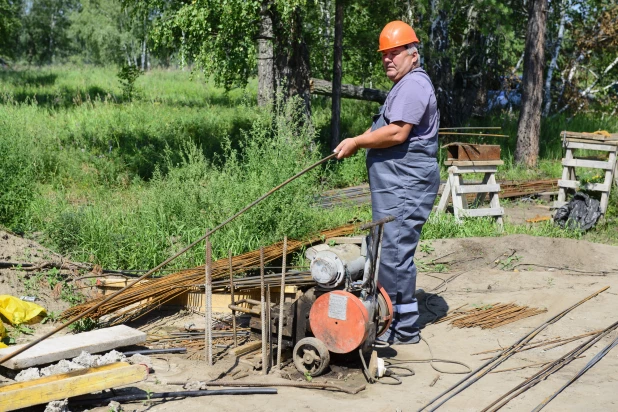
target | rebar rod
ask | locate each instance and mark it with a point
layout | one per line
(548, 370)
(268, 324)
(281, 300)
(232, 297)
(208, 286)
(263, 311)
(589, 365)
(479, 372)
(165, 262)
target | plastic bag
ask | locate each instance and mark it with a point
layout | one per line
(17, 311)
(581, 213)
(2, 335)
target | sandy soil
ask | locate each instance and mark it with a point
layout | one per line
(540, 272)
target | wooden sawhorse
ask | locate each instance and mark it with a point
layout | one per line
(569, 163)
(456, 189)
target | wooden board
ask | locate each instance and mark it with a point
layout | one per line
(587, 145)
(591, 164)
(465, 163)
(70, 346)
(497, 211)
(590, 136)
(56, 387)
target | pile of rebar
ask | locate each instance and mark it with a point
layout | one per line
(550, 369)
(359, 195)
(147, 296)
(500, 358)
(490, 316)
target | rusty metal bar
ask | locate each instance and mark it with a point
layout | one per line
(281, 301)
(232, 297)
(268, 328)
(165, 262)
(208, 328)
(263, 310)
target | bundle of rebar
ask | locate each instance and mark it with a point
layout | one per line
(490, 316)
(499, 359)
(359, 195)
(147, 296)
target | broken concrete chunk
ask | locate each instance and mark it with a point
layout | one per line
(58, 406)
(139, 359)
(27, 375)
(64, 366)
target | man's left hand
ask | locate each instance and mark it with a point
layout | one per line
(346, 148)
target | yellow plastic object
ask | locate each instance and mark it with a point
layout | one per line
(17, 311)
(2, 335)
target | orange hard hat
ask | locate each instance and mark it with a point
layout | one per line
(395, 34)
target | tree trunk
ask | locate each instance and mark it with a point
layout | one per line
(438, 63)
(529, 127)
(553, 65)
(292, 62)
(337, 73)
(265, 57)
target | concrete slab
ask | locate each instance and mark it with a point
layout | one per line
(70, 346)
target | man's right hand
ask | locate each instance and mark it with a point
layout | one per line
(346, 148)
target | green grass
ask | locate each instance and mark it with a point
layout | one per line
(128, 184)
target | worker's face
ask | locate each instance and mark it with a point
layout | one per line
(397, 62)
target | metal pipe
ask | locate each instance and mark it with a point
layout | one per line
(263, 310)
(287, 384)
(180, 394)
(154, 351)
(232, 297)
(208, 328)
(165, 262)
(267, 326)
(281, 301)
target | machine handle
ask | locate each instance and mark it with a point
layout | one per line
(377, 222)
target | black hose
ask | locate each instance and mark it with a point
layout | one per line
(180, 394)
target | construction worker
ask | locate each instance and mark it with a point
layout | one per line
(403, 171)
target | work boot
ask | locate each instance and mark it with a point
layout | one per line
(393, 340)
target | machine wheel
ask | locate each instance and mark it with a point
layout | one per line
(311, 357)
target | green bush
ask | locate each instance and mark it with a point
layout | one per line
(147, 222)
(17, 184)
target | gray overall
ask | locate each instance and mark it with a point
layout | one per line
(404, 181)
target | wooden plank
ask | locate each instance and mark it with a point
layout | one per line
(590, 146)
(478, 188)
(66, 385)
(592, 164)
(246, 348)
(444, 197)
(483, 212)
(591, 136)
(474, 163)
(607, 142)
(70, 346)
(473, 169)
(574, 184)
(343, 240)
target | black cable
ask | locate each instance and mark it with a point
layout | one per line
(179, 394)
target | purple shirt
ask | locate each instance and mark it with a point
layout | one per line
(412, 100)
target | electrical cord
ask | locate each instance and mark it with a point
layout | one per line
(431, 361)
